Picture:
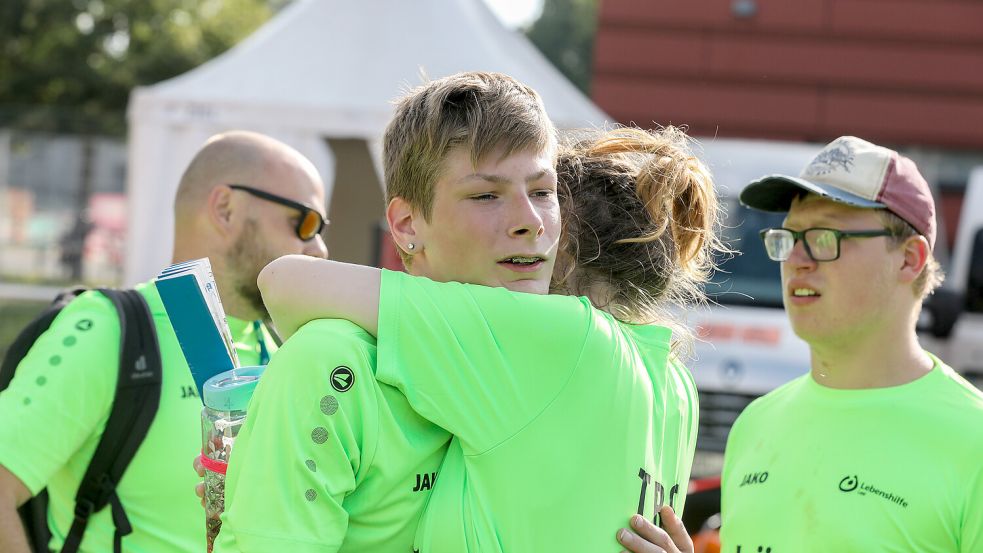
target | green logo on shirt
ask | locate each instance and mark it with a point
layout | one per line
(851, 483)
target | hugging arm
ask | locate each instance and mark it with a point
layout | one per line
(297, 289)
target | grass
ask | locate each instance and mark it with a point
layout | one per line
(14, 316)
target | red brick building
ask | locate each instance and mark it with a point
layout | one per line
(898, 72)
(903, 73)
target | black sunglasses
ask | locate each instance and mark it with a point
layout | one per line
(311, 222)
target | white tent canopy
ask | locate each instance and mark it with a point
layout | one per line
(321, 76)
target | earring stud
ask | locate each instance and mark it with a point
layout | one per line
(411, 246)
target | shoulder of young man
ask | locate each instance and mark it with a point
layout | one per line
(328, 334)
(954, 408)
(763, 408)
(963, 391)
(329, 362)
(336, 348)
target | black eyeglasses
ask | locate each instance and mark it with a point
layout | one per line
(821, 244)
(311, 222)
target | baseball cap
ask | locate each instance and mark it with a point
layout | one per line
(855, 172)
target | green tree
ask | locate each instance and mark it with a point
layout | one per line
(565, 34)
(69, 65)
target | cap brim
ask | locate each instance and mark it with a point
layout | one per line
(776, 192)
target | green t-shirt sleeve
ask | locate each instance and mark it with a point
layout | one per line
(971, 534)
(309, 437)
(60, 397)
(481, 362)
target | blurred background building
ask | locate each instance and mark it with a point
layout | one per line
(907, 74)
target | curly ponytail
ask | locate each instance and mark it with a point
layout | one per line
(641, 222)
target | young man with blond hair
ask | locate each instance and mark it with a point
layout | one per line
(879, 447)
(330, 459)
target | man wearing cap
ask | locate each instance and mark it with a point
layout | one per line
(880, 446)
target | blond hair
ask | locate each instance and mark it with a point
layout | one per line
(641, 221)
(931, 276)
(477, 111)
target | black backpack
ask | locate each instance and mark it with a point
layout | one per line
(134, 407)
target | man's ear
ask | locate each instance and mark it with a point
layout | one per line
(402, 221)
(916, 254)
(220, 209)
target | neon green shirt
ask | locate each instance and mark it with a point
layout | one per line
(328, 459)
(566, 421)
(811, 468)
(56, 408)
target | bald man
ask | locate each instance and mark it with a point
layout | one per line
(244, 200)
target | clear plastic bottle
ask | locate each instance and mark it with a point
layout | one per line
(226, 397)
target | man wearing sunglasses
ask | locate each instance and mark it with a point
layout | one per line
(244, 200)
(271, 224)
(310, 222)
(879, 447)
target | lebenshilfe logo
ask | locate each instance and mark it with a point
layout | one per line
(342, 379)
(851, 483)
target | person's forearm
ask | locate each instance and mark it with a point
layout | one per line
(13, 494)
(12, 536)
(297, 289)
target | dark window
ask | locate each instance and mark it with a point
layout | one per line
(748, 277)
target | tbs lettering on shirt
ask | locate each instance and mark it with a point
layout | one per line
(660, 492)
(754, 478)
(425, 481)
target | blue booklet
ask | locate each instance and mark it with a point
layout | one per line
(193, 305)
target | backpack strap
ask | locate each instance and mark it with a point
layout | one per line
(134, 407)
